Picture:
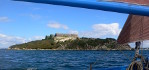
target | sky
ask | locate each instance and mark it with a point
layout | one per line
(22, 22)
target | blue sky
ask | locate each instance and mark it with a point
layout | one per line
(22, 22)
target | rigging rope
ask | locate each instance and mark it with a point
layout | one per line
(142, 34)
(138, 65)
(130, 59)
(142, 48)
(105, 54)
(135, 65)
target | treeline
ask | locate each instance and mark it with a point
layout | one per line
(78, 44)
(89, 43)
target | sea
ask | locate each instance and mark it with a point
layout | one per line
(64, 60)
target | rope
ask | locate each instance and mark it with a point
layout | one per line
(142, 48)
(105, 54)
(130, 59)
(141, 35)
(98, 59)
(136, 65)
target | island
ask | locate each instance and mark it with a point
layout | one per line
(61, 41)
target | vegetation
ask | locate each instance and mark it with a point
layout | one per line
(88, 43)
(78, 44)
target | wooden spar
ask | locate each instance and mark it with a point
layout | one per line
(99, 5)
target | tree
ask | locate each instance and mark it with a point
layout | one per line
(51, 36)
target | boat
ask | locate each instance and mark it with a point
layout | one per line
(136, 28)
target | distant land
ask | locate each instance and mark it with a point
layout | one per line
(61, 41)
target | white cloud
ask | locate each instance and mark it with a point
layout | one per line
(32, 16)
(35, 16)
(102, 30)
(36, 8)
(4, 19)
(73, 32)
(36, 38)
(57, 25)
(6, 41)
(145, 44)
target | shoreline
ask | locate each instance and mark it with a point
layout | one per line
(72, 49)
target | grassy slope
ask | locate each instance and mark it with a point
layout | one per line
(80, 44)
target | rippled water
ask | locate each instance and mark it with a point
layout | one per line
(63, 60)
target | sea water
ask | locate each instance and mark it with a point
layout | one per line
(64, 60)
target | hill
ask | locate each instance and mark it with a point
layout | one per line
(75, 44)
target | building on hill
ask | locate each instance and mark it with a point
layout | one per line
(64, 37)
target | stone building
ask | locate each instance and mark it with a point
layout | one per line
(64, 37)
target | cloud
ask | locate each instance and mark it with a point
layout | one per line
(36, 8)
(73, 32)
(36, 38)
(145, 44)
(35, 16)
(32, 16)
(6, 41)
(4, 19)
(102, 30)
(57, 25)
